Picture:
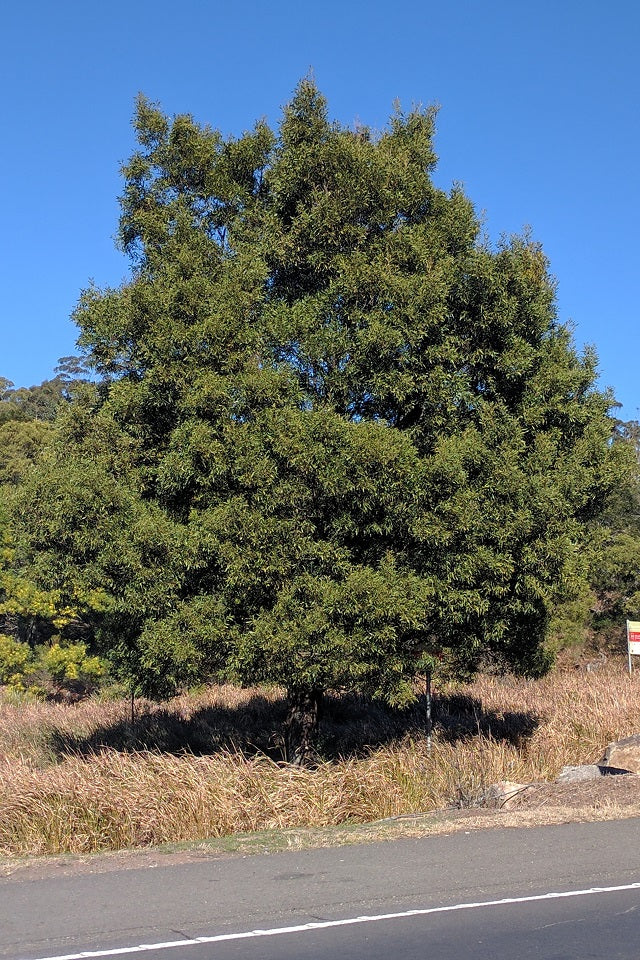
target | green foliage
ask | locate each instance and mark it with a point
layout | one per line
(21, 442)
(15, 657)
(49, 670)
(42, 401)
(28, 612)
(336, 433)
(70, 662)
(594, 617)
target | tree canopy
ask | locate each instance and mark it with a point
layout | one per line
(337, 434)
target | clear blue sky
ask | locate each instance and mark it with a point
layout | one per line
(539, 120)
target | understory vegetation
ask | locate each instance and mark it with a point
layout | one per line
(83, 778)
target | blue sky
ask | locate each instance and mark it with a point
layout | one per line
(539, 119)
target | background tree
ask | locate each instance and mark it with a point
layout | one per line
(335, 433)
(42, 401)
(591, 622)
(27, 418)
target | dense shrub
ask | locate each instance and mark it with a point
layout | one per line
(56, 671)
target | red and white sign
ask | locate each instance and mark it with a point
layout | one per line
(633, 637)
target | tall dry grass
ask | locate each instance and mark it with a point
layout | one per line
(82, 778)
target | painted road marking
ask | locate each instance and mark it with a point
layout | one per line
(349, 921)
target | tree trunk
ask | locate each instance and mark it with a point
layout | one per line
(303, 718)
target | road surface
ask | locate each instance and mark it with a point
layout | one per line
(570, 892)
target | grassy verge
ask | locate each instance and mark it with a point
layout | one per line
(80, 779)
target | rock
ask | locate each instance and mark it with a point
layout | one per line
(588, 771)
(623, 754)
(504, 793)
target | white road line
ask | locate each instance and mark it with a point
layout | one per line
(325, 924)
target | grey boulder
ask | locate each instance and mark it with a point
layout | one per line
(587, 771)
(623, 754)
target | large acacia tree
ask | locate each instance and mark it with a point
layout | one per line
(336, 433)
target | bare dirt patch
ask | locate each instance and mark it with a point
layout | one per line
(620, 792)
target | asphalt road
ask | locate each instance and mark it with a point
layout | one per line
(330, 896)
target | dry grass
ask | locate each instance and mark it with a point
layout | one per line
(82, 778)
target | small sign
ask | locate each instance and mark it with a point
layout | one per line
(633, 640)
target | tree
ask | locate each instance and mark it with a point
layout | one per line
(336, 433)
(27, 416)
(41, 402)
(614, 554)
